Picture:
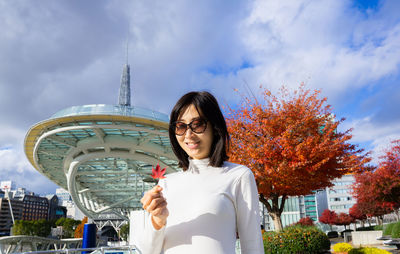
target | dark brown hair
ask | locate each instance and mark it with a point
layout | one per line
(208, 108)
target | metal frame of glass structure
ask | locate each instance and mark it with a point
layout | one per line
(102, 154)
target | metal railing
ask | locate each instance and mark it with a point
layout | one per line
(96, 250)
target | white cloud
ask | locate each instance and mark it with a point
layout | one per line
(13, 161)
(14, 166)
(313, 41)
(365, 130)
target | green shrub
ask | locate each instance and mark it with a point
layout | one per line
(124, 232)
(68, 225)
(387, 230)
(396, 230)
(368, 250)
(378, 227)
(34, 228)
(296, 239)
(342, 247)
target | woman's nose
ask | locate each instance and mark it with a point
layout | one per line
(189, 132)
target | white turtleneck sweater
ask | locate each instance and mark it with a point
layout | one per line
(207, 206)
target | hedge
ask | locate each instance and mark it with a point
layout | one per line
(296, 239)
(396, 230)
(387, 230)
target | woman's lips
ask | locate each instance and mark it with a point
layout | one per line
(192, 145)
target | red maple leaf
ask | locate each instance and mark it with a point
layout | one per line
(158, 173)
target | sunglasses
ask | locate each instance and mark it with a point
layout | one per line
(198, 126)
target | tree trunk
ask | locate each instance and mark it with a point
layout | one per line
(275, 209)
(397, 214)
(379, 220)
(277, 221)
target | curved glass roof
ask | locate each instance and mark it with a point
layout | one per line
(104, 109)
(102, 154)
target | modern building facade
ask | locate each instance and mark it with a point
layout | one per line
(35, 207)
(65, 200)
(63, 196)
(322, 199)
(19, 193)
(339, 197)
(6, 218)
(295, 208)
(309, 207)
(55, 210)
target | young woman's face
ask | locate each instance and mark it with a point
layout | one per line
(196, 145)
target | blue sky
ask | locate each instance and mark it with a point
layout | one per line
(57, 54)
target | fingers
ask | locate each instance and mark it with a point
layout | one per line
(156, 203)
(148, 198)
(153, 199)
(160, 209)
(156, 189)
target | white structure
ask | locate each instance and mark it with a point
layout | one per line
(339, 196)
(73, 211)
(7, 185)
(20, 193)
(63, 196)
(65, 199)
(102, 154)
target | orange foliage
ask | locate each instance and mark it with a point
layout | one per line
(291, 144)
(79, 229)
(378, 192)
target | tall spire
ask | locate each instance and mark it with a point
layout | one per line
(125, 88)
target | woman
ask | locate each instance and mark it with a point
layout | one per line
(201, 209)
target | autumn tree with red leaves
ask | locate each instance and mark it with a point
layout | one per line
(357, 214)
(343, 219)
(378, 192)
(368, 198)
(388, 176)
(306, 221)
(292, 145)
(328, 217)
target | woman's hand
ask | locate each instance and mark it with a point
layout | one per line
(154, 203)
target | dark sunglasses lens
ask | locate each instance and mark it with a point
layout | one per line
(199, 126)
(180, 128)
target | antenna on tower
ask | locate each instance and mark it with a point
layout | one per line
(127, 50)
(124, 98)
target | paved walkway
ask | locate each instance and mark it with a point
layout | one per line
(391, 249)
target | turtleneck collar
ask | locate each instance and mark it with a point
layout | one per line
(202, 165)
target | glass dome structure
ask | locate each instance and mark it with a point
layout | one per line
(102, 154)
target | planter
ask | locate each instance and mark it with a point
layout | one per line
(364, 238)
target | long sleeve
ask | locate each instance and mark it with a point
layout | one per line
(146, 238)
(248, 219)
